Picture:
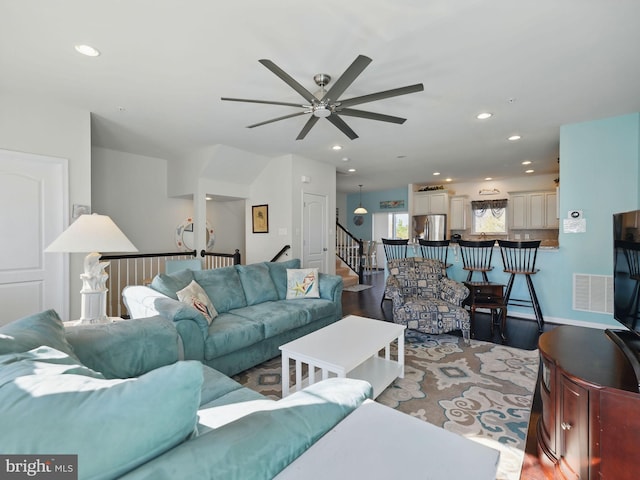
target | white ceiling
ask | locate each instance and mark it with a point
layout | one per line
(156, 88)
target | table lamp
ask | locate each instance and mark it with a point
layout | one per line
(92, 233)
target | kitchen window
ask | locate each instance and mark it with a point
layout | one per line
(398, 225)
(489, 216)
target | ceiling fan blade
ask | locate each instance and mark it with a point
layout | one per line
(306, 94)
(347, 78)
(350, 112)
(342, 126)
(307, 126)
(276, 119)
(286, 104)
(372, 97)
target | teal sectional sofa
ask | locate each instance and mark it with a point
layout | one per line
(116, 396)
(254, 316)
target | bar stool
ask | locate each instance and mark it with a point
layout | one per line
(519, 258)
(393, 249)
(476, 257)
(436, 249)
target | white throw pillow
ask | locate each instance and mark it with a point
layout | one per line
(194, 295)
(302, 283)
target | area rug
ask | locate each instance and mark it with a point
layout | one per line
(482, 391)
(357, 288)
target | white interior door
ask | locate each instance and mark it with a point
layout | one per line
(315, 232)
(33, 213)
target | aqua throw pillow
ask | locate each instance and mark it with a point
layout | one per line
(44, 328)
(49, 403)
(302, 283)
(256, 283)
(170, 284)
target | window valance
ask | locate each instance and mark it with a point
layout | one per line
(491, 204)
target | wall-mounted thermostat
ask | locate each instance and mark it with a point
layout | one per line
(575, 214)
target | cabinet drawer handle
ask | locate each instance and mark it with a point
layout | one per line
(565, 426)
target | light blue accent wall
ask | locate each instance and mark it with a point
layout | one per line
(599, 174)
(371, 201)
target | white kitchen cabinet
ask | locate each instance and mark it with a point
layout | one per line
(458, 213)
(425, 203)
(533, 210)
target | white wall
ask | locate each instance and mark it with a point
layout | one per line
(132, 190)
(280, 186)
(227, 218)
(34, 125)
(271, 187)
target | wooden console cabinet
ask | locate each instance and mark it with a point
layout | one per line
(590, 422)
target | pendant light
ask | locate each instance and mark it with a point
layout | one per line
(360, 210)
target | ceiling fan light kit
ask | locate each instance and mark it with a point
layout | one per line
(327, 103)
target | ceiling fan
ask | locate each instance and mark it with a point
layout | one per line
(327, 103)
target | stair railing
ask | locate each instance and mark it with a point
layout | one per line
(350, 250)
(140, 268)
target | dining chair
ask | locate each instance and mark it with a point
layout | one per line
(476, 257)
(435, 249)
(393, 249)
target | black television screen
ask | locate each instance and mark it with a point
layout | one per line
(626, 269)
(626, 287)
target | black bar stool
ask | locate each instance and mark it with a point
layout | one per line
(476, 257)
(436, 249)
(393, 249)
(519, 258)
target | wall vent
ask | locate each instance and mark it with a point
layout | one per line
(593, 293)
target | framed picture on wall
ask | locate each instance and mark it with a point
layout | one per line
(260, 218)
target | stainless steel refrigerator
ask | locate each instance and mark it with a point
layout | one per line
(430, 227)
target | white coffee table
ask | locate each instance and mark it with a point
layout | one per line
(347, 348)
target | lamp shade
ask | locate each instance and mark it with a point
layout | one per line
(360, 210)
(92, 233)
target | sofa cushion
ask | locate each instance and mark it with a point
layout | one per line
(223, 288)
(257, 283)
(44, 328)
(277, 317)
(230, 333)
(260, 445)
(278, 272)
(170, 284)
(194, 295)
(108, 423)
(125, 349)
(302, 283)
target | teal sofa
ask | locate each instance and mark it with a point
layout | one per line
(116, 396)
(254, 316)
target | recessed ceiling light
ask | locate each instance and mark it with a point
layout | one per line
(484, 115)
(351, 170)
(526, 162)
(345, 159)
(436, 174)
(513, 138)
(336, 147)
(448, 179)
(529, 171)
(489, 178)
(87, 50)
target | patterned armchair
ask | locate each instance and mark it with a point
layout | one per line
(424, 299)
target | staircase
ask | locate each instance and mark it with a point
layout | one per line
(348, 276)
